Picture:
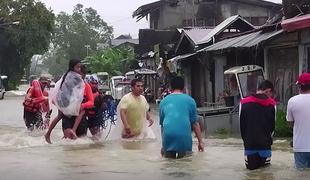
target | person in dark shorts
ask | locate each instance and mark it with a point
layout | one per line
(257, 123)
(94, 115)
(76, 126)
(68, 123)
(36, 102)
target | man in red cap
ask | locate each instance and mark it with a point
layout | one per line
(298, 117)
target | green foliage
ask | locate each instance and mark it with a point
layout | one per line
(72, 34)
(115, 61)
(56, 62)
(282, 129)
(18, 43)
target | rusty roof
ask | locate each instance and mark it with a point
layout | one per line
(233, 21)
(244, 41)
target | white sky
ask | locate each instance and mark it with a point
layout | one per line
(117, 13)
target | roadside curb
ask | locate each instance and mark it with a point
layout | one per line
(15, 93)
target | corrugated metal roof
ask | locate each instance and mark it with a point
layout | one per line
(245, 41)
(222, 26)
(117, 42)
(196, 34)
(180, 57)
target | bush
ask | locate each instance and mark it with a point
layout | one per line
(282, 129)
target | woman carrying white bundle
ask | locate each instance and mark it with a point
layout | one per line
(69, 93)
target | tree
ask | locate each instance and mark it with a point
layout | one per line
(294, 7)
(20, 42)
(73, 33)
(115, 61)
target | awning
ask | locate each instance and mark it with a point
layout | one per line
(173, 64)
(245, 41)
(145, 71)
(296, 23)
(180, 57)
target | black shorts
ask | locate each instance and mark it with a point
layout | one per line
(68, 122)
(254, 161)
(176, 155)
(94, 122)
(33, 119)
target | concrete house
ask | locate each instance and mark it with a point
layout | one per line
(169, 14)
(196, 67)
(282, 49)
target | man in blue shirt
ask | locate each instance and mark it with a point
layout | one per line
(178, 117)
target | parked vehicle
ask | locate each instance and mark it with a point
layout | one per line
(117, 91)
(130, 75)
(144, 75)
(242, 82)
(2, 88)
(103, 81)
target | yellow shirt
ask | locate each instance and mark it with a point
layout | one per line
(136, 107)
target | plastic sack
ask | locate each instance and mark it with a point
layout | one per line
(69, 97)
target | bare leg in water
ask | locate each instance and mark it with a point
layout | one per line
(69, 133)
(47, 135)
(77, 122)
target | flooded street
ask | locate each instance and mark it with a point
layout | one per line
(24, 156)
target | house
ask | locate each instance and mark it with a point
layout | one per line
(154, 45)
(282, 49)
(170, 14)
(288, 55)
(195, 66)
(124, 41)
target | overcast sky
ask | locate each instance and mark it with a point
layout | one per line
(117, 13)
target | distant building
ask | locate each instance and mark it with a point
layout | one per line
(124, 41)
(169, 14)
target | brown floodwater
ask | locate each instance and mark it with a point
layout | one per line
(26, 156)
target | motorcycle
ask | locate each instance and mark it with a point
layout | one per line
(148, 95)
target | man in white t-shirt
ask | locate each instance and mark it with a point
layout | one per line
(298, 117)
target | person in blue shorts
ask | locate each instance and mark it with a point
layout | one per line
(257, 124)
(178, 116)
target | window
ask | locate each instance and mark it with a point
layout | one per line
(187, 22)
(200, 22)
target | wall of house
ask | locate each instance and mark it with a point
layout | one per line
(283, 64)
(173, 16)
(304, 53)
(219, 64)
(187, 12)
(257, 15)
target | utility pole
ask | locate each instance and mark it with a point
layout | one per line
(87, 47)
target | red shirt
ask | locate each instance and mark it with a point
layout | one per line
(89, 98)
